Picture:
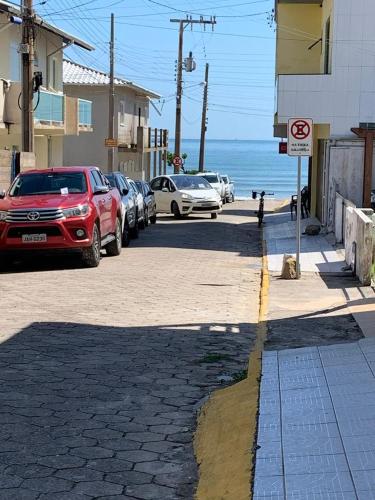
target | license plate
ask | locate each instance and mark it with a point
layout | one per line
(34, 238)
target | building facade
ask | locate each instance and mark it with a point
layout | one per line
(55, 114)
(139, 151)
(325, 70)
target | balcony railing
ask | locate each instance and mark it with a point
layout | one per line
(49, 107)
(84, 113)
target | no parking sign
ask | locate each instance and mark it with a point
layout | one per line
(300, 137)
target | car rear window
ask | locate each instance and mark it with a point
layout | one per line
(211, 178)
(49, 183)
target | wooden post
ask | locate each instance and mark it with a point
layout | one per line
(368, 136)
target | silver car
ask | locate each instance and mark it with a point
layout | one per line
(229, 188)
(140, 204)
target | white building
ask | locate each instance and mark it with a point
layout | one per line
(325, 70)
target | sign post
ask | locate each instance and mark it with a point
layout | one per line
(300, 142)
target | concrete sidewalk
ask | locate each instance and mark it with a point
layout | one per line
(317, 253)
(316, 429)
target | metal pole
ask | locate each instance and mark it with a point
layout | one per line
(111, 102)
(177, 139)
(298, 253)
(204, 119)
(27, 76)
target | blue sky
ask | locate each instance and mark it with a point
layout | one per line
(240, 52)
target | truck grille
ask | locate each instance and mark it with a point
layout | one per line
(34, 215)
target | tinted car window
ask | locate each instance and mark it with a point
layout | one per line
(112, 180)
(49, 183)
(156, 184)
(98, 181)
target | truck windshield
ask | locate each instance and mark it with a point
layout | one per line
(49, 183)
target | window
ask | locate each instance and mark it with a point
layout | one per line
(96, 178)
(327, 47)
(156, 184)
(122, 113)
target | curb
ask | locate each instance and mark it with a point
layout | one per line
(225, 438)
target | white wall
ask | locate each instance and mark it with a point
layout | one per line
(347, 96)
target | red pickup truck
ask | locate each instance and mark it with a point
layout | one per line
(61, 208)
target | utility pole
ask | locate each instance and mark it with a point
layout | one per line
(111, 101)
(27, 49)
(183, 23)
(204, 121)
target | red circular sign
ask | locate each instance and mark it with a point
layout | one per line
(300, 130)
(177, 161)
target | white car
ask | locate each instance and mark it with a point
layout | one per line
(229, 188)
(183, 195)
(216, 182)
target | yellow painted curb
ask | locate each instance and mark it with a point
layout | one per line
(227, 424)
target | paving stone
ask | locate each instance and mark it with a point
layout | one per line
(129, 477)
(79, 474)
(47, 485)
(62, 461)
(137, 456)
(98, 488)
(151, 492)
(162, 446)
(9, 481)
(18, 494)
(144, 437)
(103, 434)
(120, 444)
(30, 471)
(109, 465)
(157, 467)
(92, 452)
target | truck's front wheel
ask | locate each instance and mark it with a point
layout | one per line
(91, 254)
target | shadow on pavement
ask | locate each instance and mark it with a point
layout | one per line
(99, 411)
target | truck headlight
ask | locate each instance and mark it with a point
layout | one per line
(78, 211)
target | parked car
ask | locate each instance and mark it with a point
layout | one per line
(216, 182)
(149, 201)
(229, 188)
(183, 195)
(140, 205)
(128, 206)
(61, 208)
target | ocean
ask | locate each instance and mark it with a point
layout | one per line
(252, 165)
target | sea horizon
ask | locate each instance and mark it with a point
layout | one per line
(253, 165)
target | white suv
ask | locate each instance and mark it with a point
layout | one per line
(183, 195)
(216, 182)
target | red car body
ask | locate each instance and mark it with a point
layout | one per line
(64, 219)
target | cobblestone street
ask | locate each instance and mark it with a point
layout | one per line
(103, 370)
